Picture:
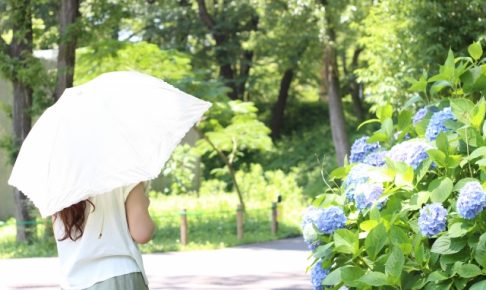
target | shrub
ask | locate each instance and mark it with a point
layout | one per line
(413, 195)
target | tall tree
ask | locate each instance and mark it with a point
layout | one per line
(330, 78)
(67, 46)
(19, 55)
(225, 29)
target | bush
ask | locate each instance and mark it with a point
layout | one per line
(407, 212)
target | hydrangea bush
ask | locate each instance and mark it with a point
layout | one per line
(408, 209)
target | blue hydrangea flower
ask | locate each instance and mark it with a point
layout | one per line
(375, 158)
(413, 152)
(357, 175)
(471, 200)
(311, 236)
(437, 123)
(361, 148)
(367, 194)
(310, 216)
(419, 115)
(432, 219)
(318, 274)
(330, 219)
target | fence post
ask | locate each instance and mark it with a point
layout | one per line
(274, 218)
(184, 227)
(239, 222)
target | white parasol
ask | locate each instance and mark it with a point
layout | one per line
(118, 129)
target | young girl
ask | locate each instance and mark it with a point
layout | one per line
(97, 240)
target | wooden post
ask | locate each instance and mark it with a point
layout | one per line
(274, 218)
(184, 227)
(239, 222)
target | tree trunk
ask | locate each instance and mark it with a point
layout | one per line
(331, 80)
(245, 65)
(355, 87)
(279, 108)
(20, 50)
(67, 46)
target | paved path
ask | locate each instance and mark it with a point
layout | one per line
(267, 266)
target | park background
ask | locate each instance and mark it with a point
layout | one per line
(290, 82)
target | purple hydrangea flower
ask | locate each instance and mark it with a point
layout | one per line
(357, 175)
(367, 194)
(375, 158)
(361, 148)
(437, 123)
(471, 200)
(318, 275)
(330, 219)
(432, 219)
(420, 115)
(413, 152)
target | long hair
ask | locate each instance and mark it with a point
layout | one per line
(73, 219)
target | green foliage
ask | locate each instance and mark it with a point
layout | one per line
(144, 57)
(180, 171)
(234, 129)
(401, 38)
(385, 244)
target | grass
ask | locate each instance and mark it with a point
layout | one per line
(211, 223)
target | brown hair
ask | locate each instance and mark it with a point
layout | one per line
(73, 219)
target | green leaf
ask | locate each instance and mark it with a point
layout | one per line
(480, 252)
(479, 152)
(440, 189)
(323, 252)
(458, 229)
(446, 246)
(339, 173)
(346, 242)
(404, 119)
(351, 275)
(437, 276)
(475, 50)
(468, 271)
(333, 278)
(481, 285)
(384, 112)
(375, 241)
(370, 121)
(478, 114)
(374, 279)
(462, 109)
(438, 156)
(442, 143)
(394, 263)
(368, 225)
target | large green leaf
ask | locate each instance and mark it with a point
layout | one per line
(475, 50)
(468, 270)
(346, 242)
(445, 245)
(394, 263)
(440, 189)
(481, 285)
(480, 252)
(375, 241)
(374, 279)
(462, 109)
(458, 229)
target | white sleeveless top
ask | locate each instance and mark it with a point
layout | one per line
(106, 248)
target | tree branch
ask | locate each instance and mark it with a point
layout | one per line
(203, 13)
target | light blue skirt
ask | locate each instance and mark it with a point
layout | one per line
(131, 281)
